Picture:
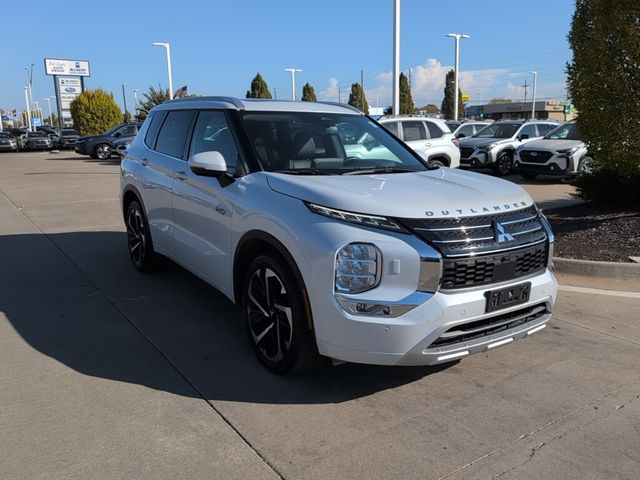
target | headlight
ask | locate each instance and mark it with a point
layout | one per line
(567, 151)
(486, 148)
(358, 218)
(358, 268)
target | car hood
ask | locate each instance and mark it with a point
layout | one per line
(443, 192)
(480, 142)
(552, 145)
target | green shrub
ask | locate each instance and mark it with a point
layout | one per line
(95, 112)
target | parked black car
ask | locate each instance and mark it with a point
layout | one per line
(51, 132)
(37, 141)
(67, 138)
(101, 146)
(8, 142)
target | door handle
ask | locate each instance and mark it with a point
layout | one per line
(428, 144)
(220, 209)
(181, 175)
(144, 162)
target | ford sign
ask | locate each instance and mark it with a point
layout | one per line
(70, 89)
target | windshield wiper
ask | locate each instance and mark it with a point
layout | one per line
(367, 171)
(304, 171)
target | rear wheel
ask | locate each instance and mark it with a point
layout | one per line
(102, 151)
(276, 317)
(139, 242)
(436, 162)
(503, 164)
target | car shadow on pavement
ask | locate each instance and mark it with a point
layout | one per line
(75, 298)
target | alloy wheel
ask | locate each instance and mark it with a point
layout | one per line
(136, 236)
(103, 151)
(504, 165)
(269, 314)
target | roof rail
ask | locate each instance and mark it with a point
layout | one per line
(232, 100)
(345, 105)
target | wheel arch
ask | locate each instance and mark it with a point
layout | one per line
(440, 156)
(257, 242)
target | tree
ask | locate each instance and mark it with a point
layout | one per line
(498, 101)
(152, 98)
(308, 93)
(357, 98)
(94, 112)
(448, 100)
(406, 102)
(431, 108)
(604, 82)
(259, 88)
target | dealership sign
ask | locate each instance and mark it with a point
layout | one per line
(78, 68)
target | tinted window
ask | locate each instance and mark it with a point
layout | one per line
(466, 130)
(212, 134)
(544, 128)
(412, 131)
(392, 127)
(152, 132)
(568, 131)
(528, 130)
(498, 130)
(127, 130)
(173, 134)
(434, 130)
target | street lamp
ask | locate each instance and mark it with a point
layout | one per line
(395, 105)
(26, 100)
(533, 103)
(168, 49)
(49, 103)
(293, 81)
(30, 101)
(135, 100)
(457, 36)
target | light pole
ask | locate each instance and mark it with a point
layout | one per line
(396, 58)
(26, 100)
(50, 117)
(168, 49)
(293, 81)
(30, 84)
(457, 36)
(135, 101)
(533, 103)
(37, 113)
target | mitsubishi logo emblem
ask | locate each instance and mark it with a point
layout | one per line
(500, 234)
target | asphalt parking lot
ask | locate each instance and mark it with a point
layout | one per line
(107, 373)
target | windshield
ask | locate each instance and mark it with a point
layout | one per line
(66, 131)
(36, 134)
(325, 143)
(501, 130)
(567, 131)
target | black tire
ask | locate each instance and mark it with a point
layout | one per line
(585, 165)
(139, 243)
(276, 317)
(102, 151)
(503, 164)
(436, 163)
(529, 175)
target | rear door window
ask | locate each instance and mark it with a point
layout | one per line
(434, 130)
(173, 134)
(413, 130)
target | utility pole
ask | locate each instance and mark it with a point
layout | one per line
(396, 58)
(124, 99)
(26, 99)
(275, 93)
(339, 95)
(525, 90)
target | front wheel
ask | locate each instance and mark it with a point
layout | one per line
(503, 164)
(276, 317)
(585, 165)
(436, 163)
(103, 151)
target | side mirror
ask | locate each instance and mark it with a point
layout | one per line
(524, 136)
(117, 134)
(208, 164)
(460, 135)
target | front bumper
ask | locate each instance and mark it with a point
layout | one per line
(408, 339)
(82, 148)
(8, 147)
(556, 165)
(478, 159)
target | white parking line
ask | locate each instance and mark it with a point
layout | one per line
(599, 291)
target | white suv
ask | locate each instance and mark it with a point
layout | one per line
(429, 137)
(380, 260)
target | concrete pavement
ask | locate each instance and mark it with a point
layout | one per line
(107, 373)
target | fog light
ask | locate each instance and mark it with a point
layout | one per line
(357, 268)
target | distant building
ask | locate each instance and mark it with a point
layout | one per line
(545, 110)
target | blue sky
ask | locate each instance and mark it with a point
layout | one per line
(218, 46)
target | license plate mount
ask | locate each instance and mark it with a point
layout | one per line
(507, 297)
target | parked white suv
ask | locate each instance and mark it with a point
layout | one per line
(560, 152)
(429, 137)
(494, 146)
(378, 260)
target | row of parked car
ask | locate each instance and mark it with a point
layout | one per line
(43, 138)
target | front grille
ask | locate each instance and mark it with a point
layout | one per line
(494, 268)
(535, 156)
(466, 152)
(485, 249)
(489, 326)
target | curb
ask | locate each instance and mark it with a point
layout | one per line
(615, 270)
